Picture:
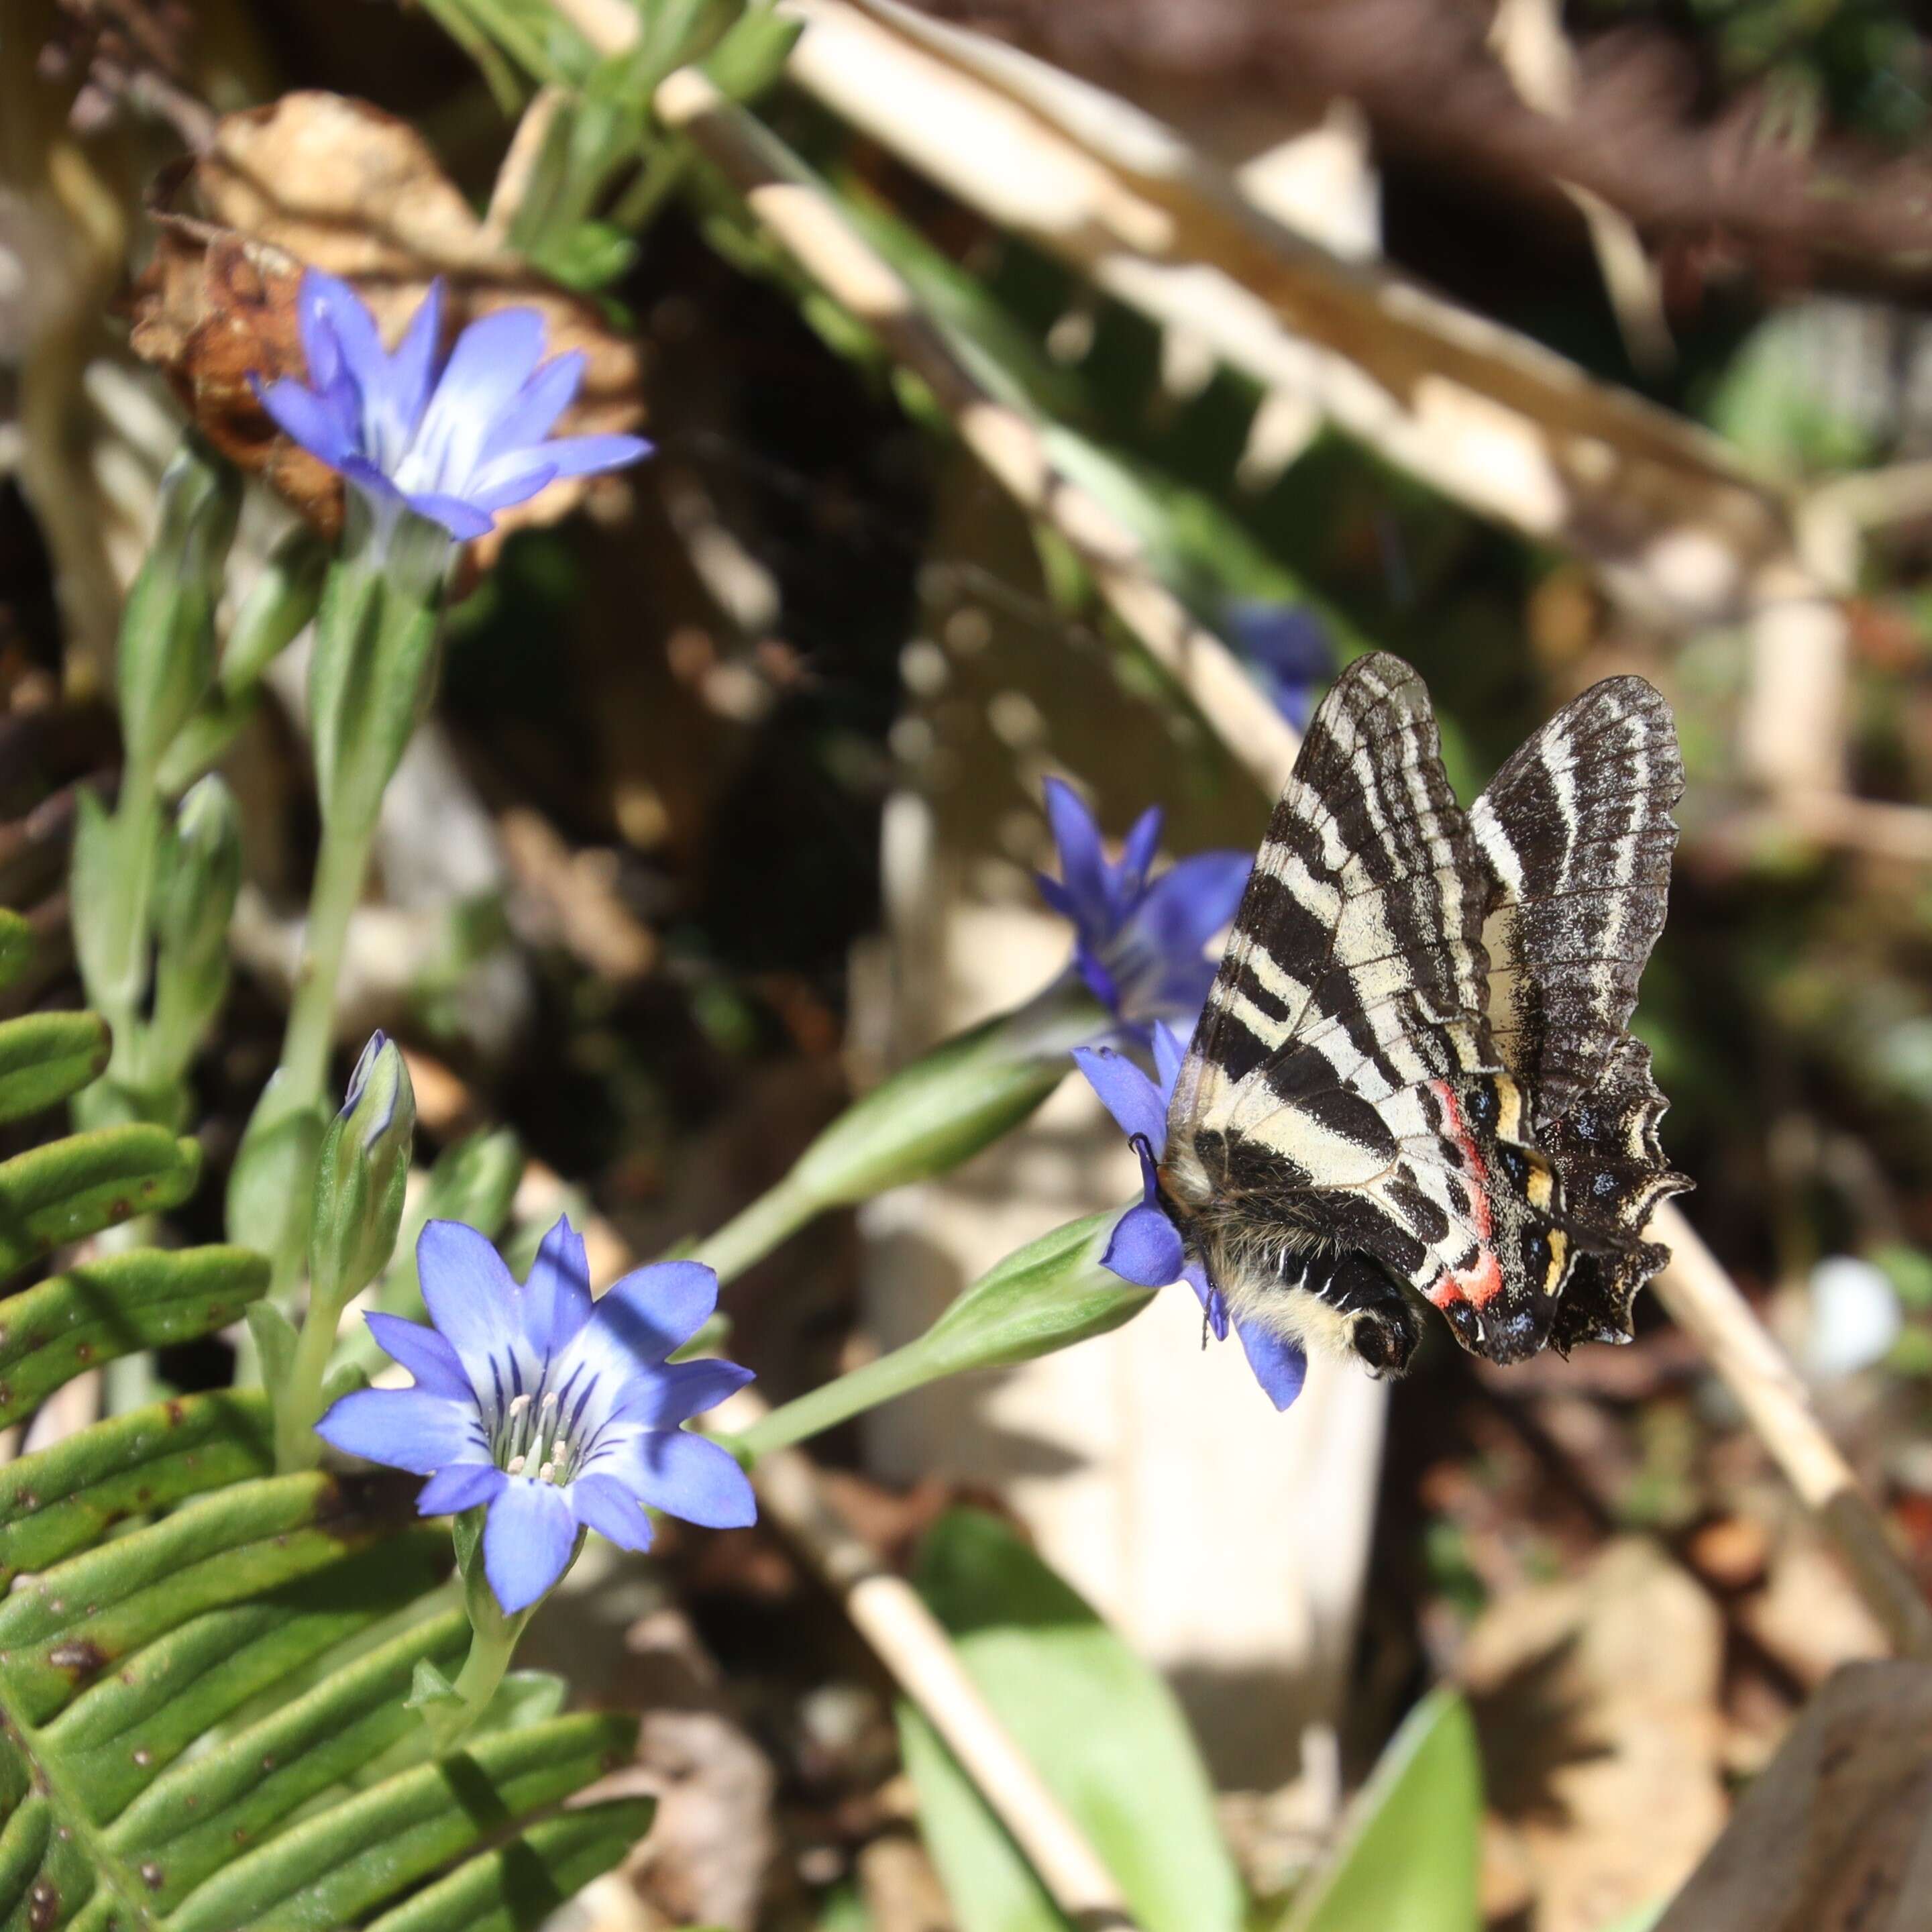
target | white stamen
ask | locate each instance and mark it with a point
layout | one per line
(516, 1465)
(548, 1470)
(518, 1403)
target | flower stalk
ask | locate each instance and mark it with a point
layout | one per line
(1046, 1296)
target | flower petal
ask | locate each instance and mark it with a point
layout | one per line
(556, 1294)
(1137, 852)
(475, 1303)
(1083, 867)
(606, 1506)
(1280, 1366)
(1127, 1094)
(528, 1540)
(492, 359)
(461, 1486)
(425, 1355)
(462, 520)
(586, 455)
(407, 1429)
(665, 1397)
(1191, 900)
(302, 415)
(1169, 1053)
(1145, 1248)
(333, 317)
(684, 1475)
(513, 479)
(655, 1309)
(533, 414)
(412, 372)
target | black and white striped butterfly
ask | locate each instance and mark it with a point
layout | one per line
(1413, 1070)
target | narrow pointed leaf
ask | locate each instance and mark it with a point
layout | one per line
(70, 1188)
(116, 1306)
(1103, 1730)
(16, 945)
(1412, 1846)
(45, 1057)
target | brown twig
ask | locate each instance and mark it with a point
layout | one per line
(911, 1642)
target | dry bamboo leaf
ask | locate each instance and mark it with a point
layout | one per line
(320, 181)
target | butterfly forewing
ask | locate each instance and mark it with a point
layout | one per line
(1342, 1095)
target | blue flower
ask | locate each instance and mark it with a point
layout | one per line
(1146, 1247)
(455, 442)
(557, 1413)
(1139, 946)
(1288, 652)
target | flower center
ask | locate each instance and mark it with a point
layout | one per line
(533, 1438)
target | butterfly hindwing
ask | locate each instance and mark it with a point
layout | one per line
(1577, 833)
(1342, 1095)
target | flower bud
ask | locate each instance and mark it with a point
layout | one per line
(361, 1176)
(166, 663)
(194, 899)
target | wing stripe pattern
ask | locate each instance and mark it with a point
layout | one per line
(1413, 1063)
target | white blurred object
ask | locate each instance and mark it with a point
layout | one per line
(1854, 1317)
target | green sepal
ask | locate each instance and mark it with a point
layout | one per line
(345, 1379)
(117, 1305)
(275, 1336)
(428, 1685)
(16, 945)
(45, 1057)
(68, 1189)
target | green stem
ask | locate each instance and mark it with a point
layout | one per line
(493, 1642)
(897, 1374)
(298, 1401)
(340, 869)
(751, 1234)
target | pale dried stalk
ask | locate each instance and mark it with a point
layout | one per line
(1703, 1299)
(912, 1644)
(796, 212)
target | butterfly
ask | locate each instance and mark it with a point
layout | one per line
(1413, 1071)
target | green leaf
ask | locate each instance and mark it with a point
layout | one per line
(1103, 1730)
(116, 1306)
(16, 945)
(70, 1188)
(275, 1336)
(44, 1058)
(361, 1853)
(66, 1497)
(750, 58)
(518, 1887)
(1410, 1855)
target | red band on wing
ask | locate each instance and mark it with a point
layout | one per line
(1482, 1281)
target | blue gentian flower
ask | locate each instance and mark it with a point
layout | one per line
(556, 1413)
(1146, 1247)
(1139, 946)
(1288, 651)
(455, 441)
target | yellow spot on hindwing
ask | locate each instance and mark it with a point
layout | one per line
(1559, 1254)
(1509, 1109)
(1542, 1183)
